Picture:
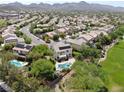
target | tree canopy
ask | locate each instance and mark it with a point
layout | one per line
(3, 23)
(87, 77)
(43, 68)
(1, 40)
(27, 39)
(39, 51)
(56, 37)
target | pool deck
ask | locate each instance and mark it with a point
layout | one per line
(24, 63)
(70, 61)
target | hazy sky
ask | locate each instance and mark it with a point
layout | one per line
(108, 2)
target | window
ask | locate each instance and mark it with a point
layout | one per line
(67, 50)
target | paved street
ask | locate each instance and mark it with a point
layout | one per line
(35, 40)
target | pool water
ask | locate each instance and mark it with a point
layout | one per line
(64, 66)
(17, 63)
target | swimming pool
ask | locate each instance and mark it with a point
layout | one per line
(64, 66)
(17, 63)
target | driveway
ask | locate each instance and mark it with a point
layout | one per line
(35, 40)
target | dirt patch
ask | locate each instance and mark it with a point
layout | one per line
(116, 88)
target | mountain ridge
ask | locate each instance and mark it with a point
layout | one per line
(81, 6)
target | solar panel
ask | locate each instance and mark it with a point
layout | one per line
(20, 46)
(65, 47)
(28, 47)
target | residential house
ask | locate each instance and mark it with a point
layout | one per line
(51, 34)
(95, 34)
(43, 25)
(61, 23)
(9, 29)
(61, 30)
(45, 19)
(76, 43)
(22, 50)
(108, 28)
(9, 15)
(62, 51)
(9, 38)
(86, 37)
(83, 39)
(53, 21)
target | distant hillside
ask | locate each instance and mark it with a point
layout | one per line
(81, 6)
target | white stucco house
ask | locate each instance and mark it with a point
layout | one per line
(62, 51)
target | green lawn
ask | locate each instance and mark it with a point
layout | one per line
(114, 66)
